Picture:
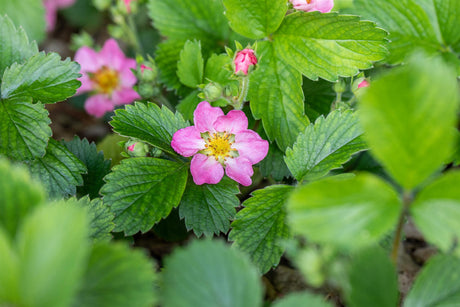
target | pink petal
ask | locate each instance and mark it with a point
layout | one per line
(204, 116)
(111, 55)
(127, 77)
(86, 84)
(240, 170)
(363, 83)
(98, 105)
(124, 96)
(324, 6)
(88, 59)
(251, 146)
(234, 122)
(206, 169)
(187, 141)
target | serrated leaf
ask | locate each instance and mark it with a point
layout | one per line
(329, 45)
(14, 44)
(167, 55)
(436, 212)
(95, 163)
(302, 299)
(215, 70)
(209, 273)
(408, 115)
(273, 164)
(117, 276)
(59, 170)
(260, 227)
(208, 208)
(142, 191)
(438, 284)
(24, 129)
(349, 212)
(190, 65)
(43, 77)
(324, 146)
(147, 122)
(255, 19)
(277, 100)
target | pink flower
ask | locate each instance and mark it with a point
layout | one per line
(324, 6)
(220, 142)
(51, 8)
(244, 59)
(363, 83)
(108, 75)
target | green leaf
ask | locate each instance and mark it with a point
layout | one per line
(209, 273)
(117, 276)
(436, 212)
(302, 299)
(438, 284)
(43, 77)
(190, 65)
(29, 14)
(94, 162)
(373, 280)
(59, 170)
(277, 100)
(9, 266)
(215, 70)
(142, 191)
(319, 96)
(167, 55)
(24, 129)
(446, 11)
(329, 45)
(14, 44)
(408, 115)
(208, 208)
(260, 227)
(255, 19)
(324, 146)
(188, 105)
(273, 164)
(348, 212)
(147, 122)
(19, 195)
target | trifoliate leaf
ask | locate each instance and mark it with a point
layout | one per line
(142, 191)
(329, 45)
(302, 299)
(208, 274)
(260, 227)
(59, 170)
(190, 65)
(324, 146)
(208, 208)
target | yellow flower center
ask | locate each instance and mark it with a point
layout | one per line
(219, 145)
(105, 79)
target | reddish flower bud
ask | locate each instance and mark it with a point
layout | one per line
(244, 59)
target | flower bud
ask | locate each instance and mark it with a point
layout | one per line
(212, 91)
(358, 84)
(136, 148)
(244, 60)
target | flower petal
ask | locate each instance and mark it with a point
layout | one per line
(206, 169)
(124, 96)
(111, 55)
(127, 77)
(204, 116)
(250, 145)
(240, 170)
(88, 59)
(187, 141)
(98, 105)
(86, 84)
(235, 121)
(324, 6)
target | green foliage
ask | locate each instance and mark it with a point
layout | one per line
(29, 14)
(324, 146)
(273, 164)
(188, 105)
(59, 170)
(260, 227)
(409, 114)
(190, 64)
(141, 191)
(208, 208)
(329, 45)
(348, 212)
(215, 69)
(167, 55)
(208, 273)
(277, 100)
(319, 96)
(255, 19)
(302, 299)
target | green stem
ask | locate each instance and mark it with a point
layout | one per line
(407, 200)
(244, 88)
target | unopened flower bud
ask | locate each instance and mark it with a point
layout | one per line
(340, 86)
(244, 60)
(212, 91)
(136, 148)
(358, 84)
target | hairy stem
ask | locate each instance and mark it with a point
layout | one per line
(244, 88)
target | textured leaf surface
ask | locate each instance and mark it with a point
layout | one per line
(24, 129)
(277, 100)
(43, 77)
(329, 45)
(446, 12)
(302, 299)
(347, 212)
(408, 115)
(149, 123)
(142, 191)
(260, 227)
(190, 66)
(324, 146)
(59, 170)
(209, 273)
(167, 55)
(255, 19)
(215, 69)
(208, 208)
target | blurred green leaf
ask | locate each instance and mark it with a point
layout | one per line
(29, 14)
(188, 105)
(167, 55)
(9, 266)
(302, 299)
(190, 65)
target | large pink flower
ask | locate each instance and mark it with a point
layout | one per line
(51, 7)
(108, 75)
(220, 142)
(244, 59)
(324, 6)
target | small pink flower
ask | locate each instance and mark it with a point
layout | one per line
(107, 74)
(220, 142)
(51, 8)
(324, 6)
(363, 83)
(244, 59)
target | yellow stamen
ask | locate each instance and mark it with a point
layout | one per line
(105, 79)
(219, 145)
